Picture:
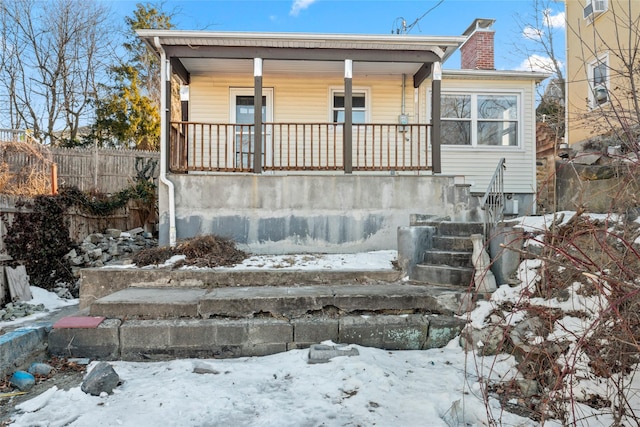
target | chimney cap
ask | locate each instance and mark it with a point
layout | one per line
(479, 24)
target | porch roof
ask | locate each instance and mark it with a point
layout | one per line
(189, 51)
(536, 76)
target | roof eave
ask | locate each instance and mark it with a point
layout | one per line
(446, 45)
(514, 74)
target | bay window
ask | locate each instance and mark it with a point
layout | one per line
(481, 120)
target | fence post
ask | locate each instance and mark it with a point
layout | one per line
(54, 178)
(95, 165)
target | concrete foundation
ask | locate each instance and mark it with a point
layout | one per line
(224, 338)
(307, 213)
(102, 342)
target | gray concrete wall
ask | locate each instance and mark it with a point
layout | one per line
(306, 213)
(597, 195)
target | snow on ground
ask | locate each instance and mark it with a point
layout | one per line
(438, 387)
(51, 302)
(540, 223)
(375, 260)
(377, 387)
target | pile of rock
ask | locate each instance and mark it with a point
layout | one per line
(15, 310)
(100, 249)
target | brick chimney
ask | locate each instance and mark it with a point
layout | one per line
(477, 52)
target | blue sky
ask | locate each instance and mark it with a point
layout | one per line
(449, 17)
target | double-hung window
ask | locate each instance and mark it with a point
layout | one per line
(478, 119)
(359, 107)
(599, 81)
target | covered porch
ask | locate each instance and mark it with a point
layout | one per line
(352, 127)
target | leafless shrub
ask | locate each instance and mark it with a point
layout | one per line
(200, 251)
(24, 169)
(583, 257)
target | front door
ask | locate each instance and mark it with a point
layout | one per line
(242, 116)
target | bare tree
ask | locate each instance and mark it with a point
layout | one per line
(54, 53)
(541, 27)
(540, 36)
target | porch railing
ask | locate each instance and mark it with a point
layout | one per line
(15, 135)
(228, 147)
(494, 200)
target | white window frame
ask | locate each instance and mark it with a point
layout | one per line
(593, 15)
(267, 93)
(601, 60)
(474, 118)
(354, 91)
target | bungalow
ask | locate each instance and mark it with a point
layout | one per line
(357, 132)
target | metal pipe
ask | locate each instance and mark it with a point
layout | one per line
(404, 84)
(163, 141)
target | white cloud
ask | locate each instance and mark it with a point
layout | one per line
(550, 21)
(537, 63)
(532, 33)
(299, 5)
(554, 21)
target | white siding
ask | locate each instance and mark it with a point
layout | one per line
(306, 99)
(299, 99)
(477, 165)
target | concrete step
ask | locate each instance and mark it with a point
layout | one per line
(99, 282)
(450, 258)
(443, 275)
(219, 338)
(447, 228)
(426, 220)
(452, 243)
(278, 302)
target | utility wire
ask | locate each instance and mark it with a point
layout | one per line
(406, 29)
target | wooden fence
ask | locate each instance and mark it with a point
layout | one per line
(81, 224)
(104, 170)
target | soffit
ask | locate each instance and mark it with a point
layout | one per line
(188, 42)
(202, 66)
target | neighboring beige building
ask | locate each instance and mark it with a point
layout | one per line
(598, 35)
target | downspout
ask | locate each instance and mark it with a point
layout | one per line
(404, 83)
(163, 141)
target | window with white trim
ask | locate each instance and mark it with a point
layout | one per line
(479, 119)
(359, 106)
(594, 8)
(599, 81)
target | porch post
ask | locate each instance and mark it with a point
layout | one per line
(257, 115)
(348, 117)
(436, 81)
(167, 114)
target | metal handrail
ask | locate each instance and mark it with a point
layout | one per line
(493, 201)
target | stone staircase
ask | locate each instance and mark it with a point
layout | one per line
(447, 261)
(163, 313)
(156, 313)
